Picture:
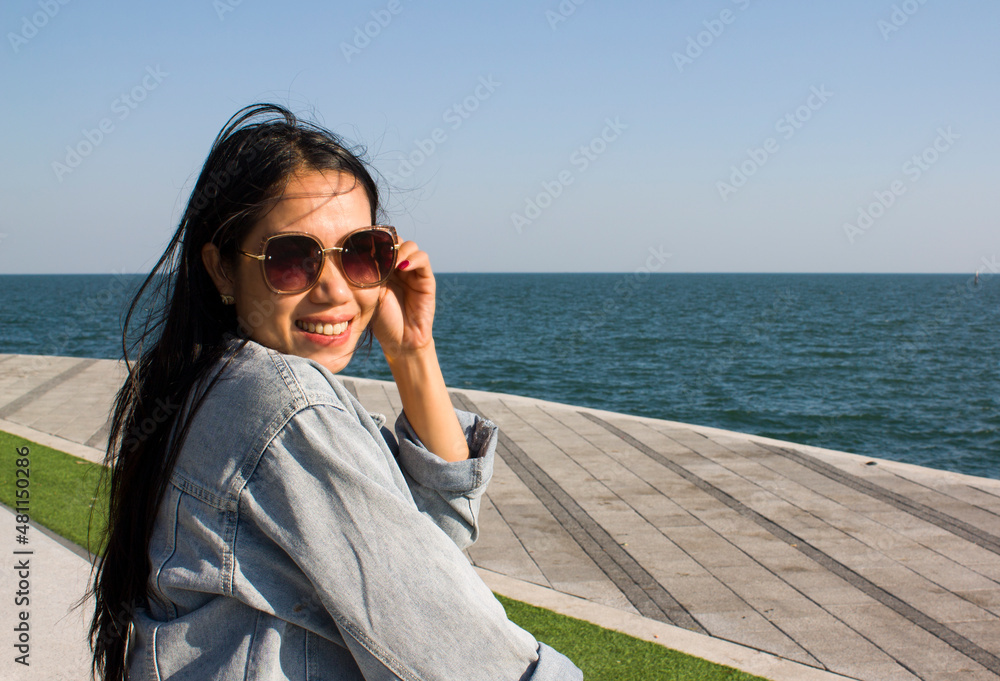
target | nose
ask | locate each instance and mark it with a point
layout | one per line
(332, 286)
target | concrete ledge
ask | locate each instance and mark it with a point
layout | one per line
(53, 441)
(715, 650)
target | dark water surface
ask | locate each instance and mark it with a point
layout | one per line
(903, 367)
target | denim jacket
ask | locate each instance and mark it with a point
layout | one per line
(298, 540)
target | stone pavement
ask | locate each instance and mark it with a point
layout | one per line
(57, 576)
(785, 560)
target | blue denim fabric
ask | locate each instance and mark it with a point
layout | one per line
(298, 540)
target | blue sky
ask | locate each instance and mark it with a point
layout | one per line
(740, 135)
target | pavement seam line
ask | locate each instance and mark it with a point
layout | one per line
(910, 481)
(957, 527)
(607, 548)
(40, 390)
(645, 593)
(928, 578)
(520, 542)
(818, 663)
(101, 435)
(960, 643)
(612, 568)
(456, 401)
(886, 527)
(985, 491)
(604, 538)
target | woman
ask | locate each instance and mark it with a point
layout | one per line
(262, 524)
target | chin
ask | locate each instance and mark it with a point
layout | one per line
(334, 362)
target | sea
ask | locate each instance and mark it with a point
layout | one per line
(895, 366)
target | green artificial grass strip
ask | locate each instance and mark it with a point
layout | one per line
(62, 489)
(606, 655)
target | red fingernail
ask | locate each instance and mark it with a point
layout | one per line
(403, 265)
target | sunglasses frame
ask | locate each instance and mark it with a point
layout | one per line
(262, 256)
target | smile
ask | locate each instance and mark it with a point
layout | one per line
(323, 329)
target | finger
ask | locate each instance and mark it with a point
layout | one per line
(412, 261)
(407, 250)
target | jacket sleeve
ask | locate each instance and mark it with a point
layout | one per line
(323, 518)
(449, 493)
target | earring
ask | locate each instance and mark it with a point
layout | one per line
(227, 300)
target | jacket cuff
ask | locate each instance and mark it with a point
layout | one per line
(553, 666)
(430, 470)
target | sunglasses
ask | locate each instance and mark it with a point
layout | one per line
(292, 262)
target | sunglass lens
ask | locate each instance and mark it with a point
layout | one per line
(292, 262)
(368, 256)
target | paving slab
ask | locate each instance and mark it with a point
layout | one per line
(499, 547)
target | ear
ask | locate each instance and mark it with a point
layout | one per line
(212, 260)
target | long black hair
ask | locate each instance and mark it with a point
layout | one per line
(183, 329)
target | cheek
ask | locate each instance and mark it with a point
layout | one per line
(370, 303)
(256, 318)
(258, 313)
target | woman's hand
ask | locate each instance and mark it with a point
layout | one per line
(403, 324)
(403, 327)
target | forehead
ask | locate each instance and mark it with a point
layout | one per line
(326, 204)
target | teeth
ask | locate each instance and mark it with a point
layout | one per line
(323, 329)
